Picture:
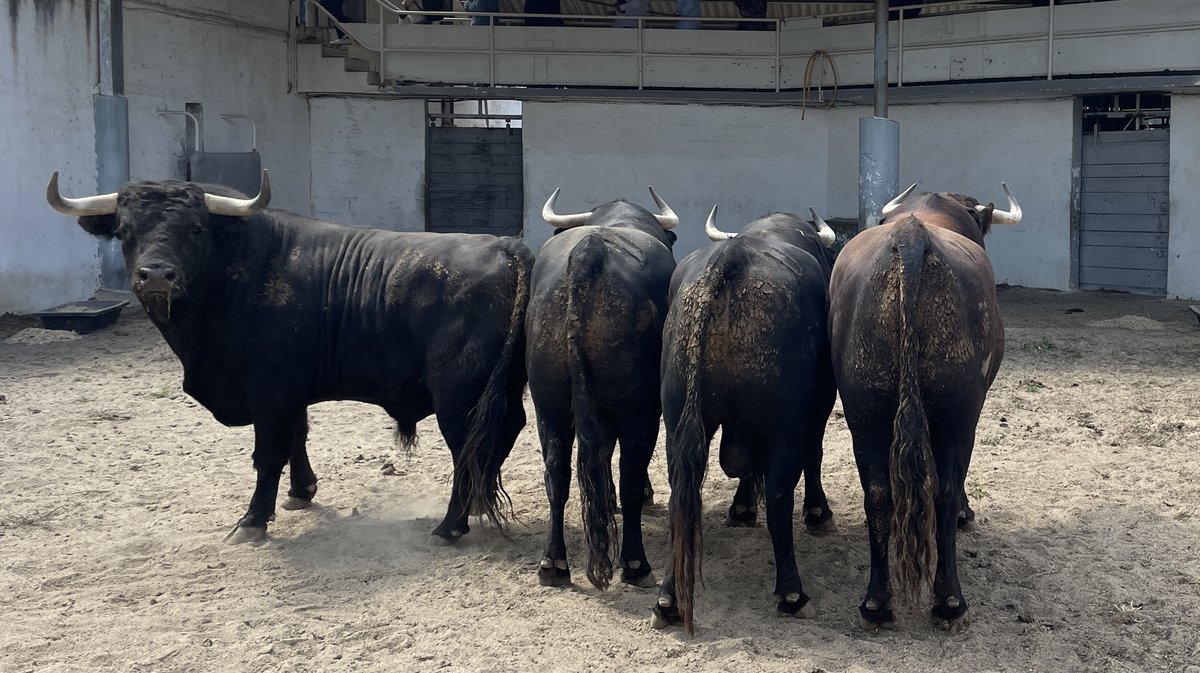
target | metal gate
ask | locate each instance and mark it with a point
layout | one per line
(1124, 211)
(473, 180)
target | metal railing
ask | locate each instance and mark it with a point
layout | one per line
(392, 14)
(399, 14)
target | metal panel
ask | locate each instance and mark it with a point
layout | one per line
(474, 181)
(239, 170)
(1124, 208)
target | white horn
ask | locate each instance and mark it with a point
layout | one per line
(562, 221)
(1010, 216)
(667, 219)
(710, 228)
(828, 236)
(101, 204)
(227, 205)
(895, 203)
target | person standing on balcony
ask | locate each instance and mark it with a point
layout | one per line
(481, 6)
(636, 8)
(543, 7)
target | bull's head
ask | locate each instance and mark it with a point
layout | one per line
(666, 218)
(824, 231)
(165, 229)
(984, 215)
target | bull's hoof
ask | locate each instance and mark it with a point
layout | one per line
(293, 503)
(741, 516)
(554, 573)
(446, 535)
(796, 605)
(951, 615)
(662, 616)
(871, 616)
(819, 520)
(449, 539)
(639, 574)
(647, 495)
(241, 534)
(966, 519)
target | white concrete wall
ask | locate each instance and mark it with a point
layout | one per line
(368, 162)
(234, 62)
(970, 148)
(1183, 246)
(748, 161)
(47, 70)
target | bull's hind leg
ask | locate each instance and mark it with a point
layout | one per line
(557, 434)
(871, 454)
(303, 479)
(454, 525)
(743, 511)
(818, 518)
(952, 451)
(637, 437)
(277, 436)
(785, 464)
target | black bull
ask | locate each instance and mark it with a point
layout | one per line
(745, 349)
(270, 312)
(598, 298)
(917, 341)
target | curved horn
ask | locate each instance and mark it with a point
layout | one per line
(562, 221)
(710, 228)
(227, 205)
(823, 229)
(667, 219)
(895, 203)
(1010, 216)
(101, 204)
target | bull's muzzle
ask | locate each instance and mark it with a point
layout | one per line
(156, 279)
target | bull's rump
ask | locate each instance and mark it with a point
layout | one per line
(957, 322)
(621, 297)
(756, 344)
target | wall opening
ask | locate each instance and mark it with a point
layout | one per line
(1124, 194)
(474, 177)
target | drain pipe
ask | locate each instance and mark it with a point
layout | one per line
(111, 117)
(878, 137)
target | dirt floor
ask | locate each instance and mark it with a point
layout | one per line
(116, 490)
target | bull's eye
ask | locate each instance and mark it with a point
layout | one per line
(120, 233)
(197, 230)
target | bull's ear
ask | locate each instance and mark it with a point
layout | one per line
(984, 217)
(557, 232)
(99, 225)
(671, 237)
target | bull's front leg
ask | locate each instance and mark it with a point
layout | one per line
(277, 436)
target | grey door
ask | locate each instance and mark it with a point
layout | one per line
(473, 181)
(1123, 212)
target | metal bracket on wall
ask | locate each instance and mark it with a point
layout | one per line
(228, 116)
(196, 142)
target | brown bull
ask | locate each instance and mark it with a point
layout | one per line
(917, 341)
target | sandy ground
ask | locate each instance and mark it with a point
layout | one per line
(116, 490)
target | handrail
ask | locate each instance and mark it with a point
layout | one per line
(196, 140)
(391, 13)
(227, 116)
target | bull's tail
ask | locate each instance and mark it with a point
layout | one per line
(482, 452)
(594, 471)
(912, 470)
(687, 455)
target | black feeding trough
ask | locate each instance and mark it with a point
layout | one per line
(83, 317)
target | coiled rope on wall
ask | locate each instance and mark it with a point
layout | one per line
(809, 67)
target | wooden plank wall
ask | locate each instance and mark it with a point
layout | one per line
(1124, 212)
(474, 181)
